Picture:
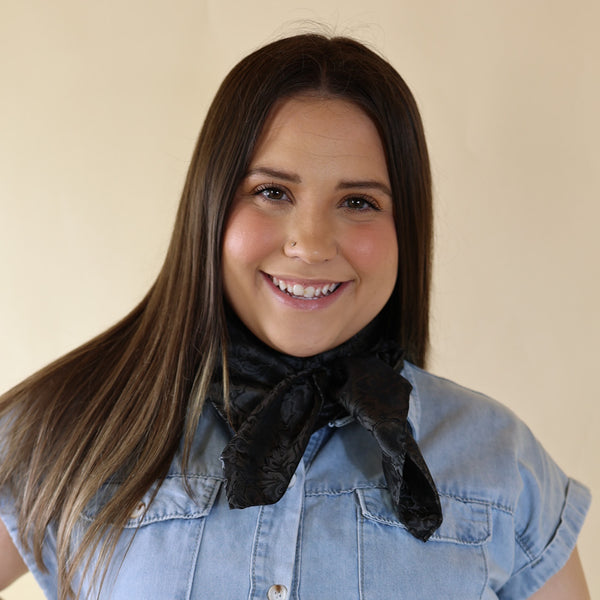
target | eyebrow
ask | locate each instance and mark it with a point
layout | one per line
(343, 185)
(293, 178)
(365, 184)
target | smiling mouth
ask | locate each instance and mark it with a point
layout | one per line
(308, 292)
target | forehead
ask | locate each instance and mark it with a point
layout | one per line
(311, 110)
(321, 127)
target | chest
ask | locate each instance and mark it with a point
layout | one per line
(316, 542)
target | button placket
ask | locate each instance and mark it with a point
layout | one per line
(275, 543)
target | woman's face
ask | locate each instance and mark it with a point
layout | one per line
(310, 252)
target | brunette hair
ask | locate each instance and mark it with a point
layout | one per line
(118, 406)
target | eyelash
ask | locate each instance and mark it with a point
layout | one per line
(371, 204)
(261, 189)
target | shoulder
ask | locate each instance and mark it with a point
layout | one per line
(211, 436)
(438, 399)
(460, 418)
(480, 452)
(478, 449)
(476, 445)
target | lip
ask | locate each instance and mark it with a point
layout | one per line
(314, 303)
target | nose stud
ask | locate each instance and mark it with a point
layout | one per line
(310, 251)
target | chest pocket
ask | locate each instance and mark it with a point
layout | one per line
(451, 564)
(157, 551)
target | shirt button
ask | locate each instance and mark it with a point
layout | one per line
(292, 482)
(277, 592)
(138, 511)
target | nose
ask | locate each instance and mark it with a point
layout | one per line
(311, 238)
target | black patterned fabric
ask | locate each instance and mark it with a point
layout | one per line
(277, 401)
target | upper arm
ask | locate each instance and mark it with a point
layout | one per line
(567, 584)
(11, 563)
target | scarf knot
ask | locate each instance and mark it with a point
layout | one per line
(277, 401)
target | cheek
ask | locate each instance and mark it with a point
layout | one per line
(374, 253)
(248, 238)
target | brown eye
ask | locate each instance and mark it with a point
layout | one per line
(274, 194)
(359, 204)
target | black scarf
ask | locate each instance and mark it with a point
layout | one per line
(277, 401)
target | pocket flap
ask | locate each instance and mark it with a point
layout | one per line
(464, 521)
(172, 501)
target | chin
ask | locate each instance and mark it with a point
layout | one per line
(305, 347)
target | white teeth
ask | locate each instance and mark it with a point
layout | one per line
(299, 291)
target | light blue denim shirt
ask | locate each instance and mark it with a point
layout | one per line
(511, 517)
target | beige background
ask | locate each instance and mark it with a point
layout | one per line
(100, 105)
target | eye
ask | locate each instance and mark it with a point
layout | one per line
(271, 192)
(359, 203)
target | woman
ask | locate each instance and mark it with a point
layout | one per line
(259, 425)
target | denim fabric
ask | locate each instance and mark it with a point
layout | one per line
(511, 517)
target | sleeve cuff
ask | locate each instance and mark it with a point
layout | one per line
(533, 576)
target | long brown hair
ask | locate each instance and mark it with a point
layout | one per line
(118, 406)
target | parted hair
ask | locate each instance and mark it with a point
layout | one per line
(118, 407)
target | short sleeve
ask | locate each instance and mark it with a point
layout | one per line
(45, 579)
(549, 515)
